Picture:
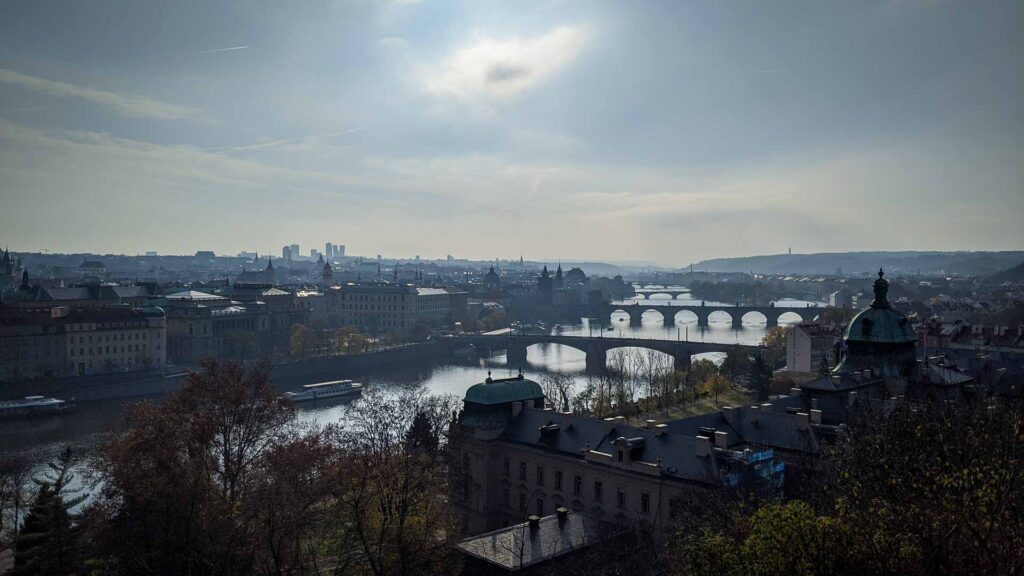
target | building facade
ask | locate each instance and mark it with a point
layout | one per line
(386, 307)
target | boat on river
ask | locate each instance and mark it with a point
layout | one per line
(325, 390)
(31, 406)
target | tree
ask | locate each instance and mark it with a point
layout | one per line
(558, 388)
(774, 343)
(717, 384)
(179, 482)
(390, 505)
(15, 476)
(50, 539)
(934, 487)
(760, 377)
(494, 321)
(421, 434)
(240, 345)
(301, 342)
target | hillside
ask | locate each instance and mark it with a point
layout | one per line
(959, 263)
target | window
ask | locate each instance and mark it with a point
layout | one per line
(620, 498)
(577, 484)
(558, 479)
(504, 496)
(522, 470)
(598, 491)
(645, 503)
(506, 465)
(540, 506)
(522, 501)
(540, 475)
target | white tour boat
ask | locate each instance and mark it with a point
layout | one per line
(325, 390)
(30, 406)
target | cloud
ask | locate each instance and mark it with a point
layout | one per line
(505, 67)
(125, 104)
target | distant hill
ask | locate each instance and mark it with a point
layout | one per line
(960, 263)
(1015, 274)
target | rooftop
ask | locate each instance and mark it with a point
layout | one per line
(522, 545)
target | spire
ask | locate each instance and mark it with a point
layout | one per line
(881, 291)
(544, 272)
(24, 281)
(270, 264)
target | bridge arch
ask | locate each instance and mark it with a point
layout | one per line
(793, 317)
(754, 317)
(721, 315)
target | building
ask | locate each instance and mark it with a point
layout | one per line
(536, 545)
(201, 325)
(519, 458)
(100, 340)
(808, 344)
(62, 341)
(387, 307)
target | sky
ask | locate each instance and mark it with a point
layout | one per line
(654, 131)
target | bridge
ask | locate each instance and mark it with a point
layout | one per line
(648, 292)
(702, 312)
(596, 349)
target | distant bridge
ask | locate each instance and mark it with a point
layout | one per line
(596, 348)
(648, 292)
(703, 312)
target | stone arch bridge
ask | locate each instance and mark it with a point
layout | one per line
(737, 313)
(596, 348)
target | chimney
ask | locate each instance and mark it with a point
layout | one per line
(721, 439)
(794, 391)
(802, 420)
(815, 416)
(650, 423)
(703, 446)
(534, 522)
(851, 398)
(754, 413)
(563, 515)
(814, 404)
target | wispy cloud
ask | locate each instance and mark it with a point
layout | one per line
(505, 67)
(129, 105)
(276, 143)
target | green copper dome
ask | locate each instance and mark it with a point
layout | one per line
(880, 323)
(503, 391)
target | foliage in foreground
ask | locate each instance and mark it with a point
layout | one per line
(936, 489)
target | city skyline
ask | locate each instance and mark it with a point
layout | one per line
(602, 132)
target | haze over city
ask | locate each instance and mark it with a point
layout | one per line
(485, 129)
(495, 288)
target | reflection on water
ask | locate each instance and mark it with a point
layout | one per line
(89, 424)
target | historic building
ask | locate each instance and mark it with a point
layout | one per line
(201, 325)
(808, 345)
(63, 341)
(519, 458)
(389, 307)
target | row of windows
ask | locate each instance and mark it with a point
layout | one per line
(109, 338)
(645, 500)
(107, 350)
(577, 487)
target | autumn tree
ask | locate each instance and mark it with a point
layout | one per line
(179, 482)
(301, 341)
(390, 504)
(717, 384)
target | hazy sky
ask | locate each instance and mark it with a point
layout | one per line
(669, 131)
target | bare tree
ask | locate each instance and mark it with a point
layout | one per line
(559, 388)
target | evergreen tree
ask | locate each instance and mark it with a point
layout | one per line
(760, 377)
(49, 542)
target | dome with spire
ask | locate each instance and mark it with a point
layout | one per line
(880, 323)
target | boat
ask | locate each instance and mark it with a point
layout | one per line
(325, 390)
(31, 406)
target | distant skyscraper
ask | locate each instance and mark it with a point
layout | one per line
(339, 249)
(286, 253)
(295, 251)
(328, 249)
